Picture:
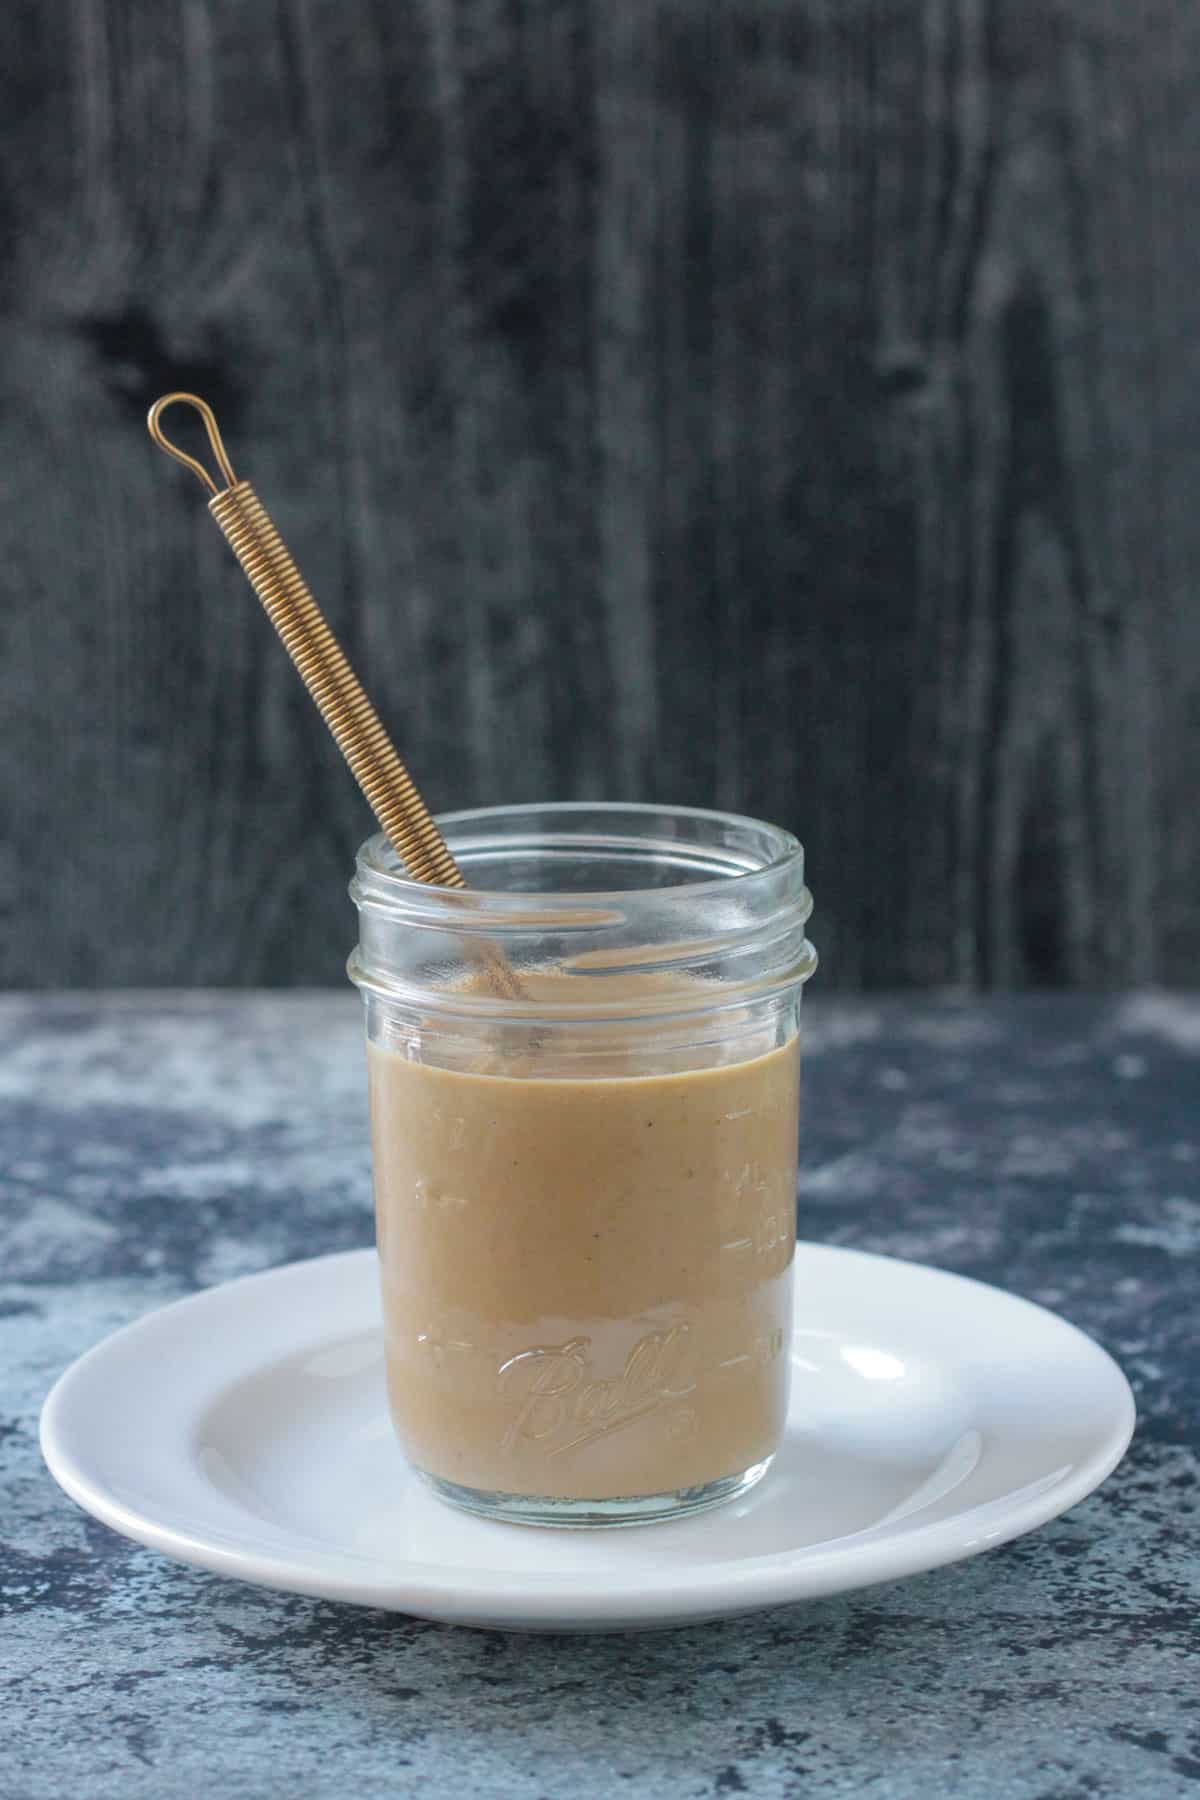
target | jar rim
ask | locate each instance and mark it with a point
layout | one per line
(379, 881)
(739, 936)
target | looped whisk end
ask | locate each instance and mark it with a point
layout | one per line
(154, 426)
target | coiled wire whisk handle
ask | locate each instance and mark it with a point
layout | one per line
(322, 666)
(321, 663)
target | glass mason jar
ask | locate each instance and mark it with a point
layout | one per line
(585, 1171)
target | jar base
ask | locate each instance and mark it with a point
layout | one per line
(630, 1509)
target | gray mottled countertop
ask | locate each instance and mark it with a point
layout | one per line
(150, 1145)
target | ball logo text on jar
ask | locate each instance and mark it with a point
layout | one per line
(562, 1405)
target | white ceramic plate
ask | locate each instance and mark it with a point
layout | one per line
(245, 1429)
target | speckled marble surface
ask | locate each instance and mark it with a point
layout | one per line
(150, 1145)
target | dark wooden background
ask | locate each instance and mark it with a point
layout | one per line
(788, 405)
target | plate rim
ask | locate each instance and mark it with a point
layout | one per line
(457, 1592)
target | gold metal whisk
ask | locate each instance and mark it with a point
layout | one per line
(319, 658)
(377, 767)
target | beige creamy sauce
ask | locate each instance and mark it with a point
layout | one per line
(586, 1281)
